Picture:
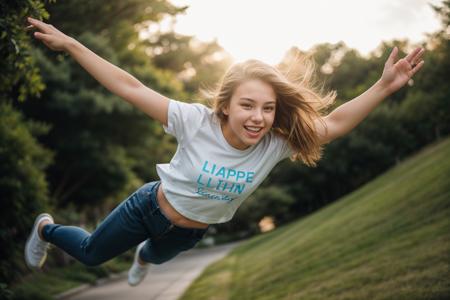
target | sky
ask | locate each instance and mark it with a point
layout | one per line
(266, 29)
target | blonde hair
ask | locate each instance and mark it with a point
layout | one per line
(297, 103)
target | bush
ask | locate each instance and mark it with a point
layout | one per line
(22, 185)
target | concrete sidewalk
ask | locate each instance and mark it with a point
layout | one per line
(163, 282)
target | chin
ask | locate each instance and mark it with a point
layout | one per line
(253, 141)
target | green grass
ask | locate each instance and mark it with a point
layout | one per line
(389, 239)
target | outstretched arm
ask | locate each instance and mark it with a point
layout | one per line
(111, 77)
(347, 116)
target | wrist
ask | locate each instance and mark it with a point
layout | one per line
(69, 45)
(382, 88)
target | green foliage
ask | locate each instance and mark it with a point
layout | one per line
(23, 186)
(23, 159)
(106, 17)
(198, 64)
(19, 77)
(5, 293)
(27, 294)
(86, 148)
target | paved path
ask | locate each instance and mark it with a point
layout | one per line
(163, 282)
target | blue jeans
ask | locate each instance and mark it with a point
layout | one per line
(136, 219)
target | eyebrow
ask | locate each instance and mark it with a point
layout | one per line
(251, 100)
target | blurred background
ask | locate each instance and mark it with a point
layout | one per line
(70, 147)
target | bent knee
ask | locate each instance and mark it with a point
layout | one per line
(158, 260)
(92, 261)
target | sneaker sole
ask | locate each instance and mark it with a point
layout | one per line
(36, 222)
(140, 246)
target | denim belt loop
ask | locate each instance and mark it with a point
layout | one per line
(154, 198)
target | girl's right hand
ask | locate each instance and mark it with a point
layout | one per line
(49, 35)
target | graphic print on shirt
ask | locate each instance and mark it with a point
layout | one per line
(215, 178)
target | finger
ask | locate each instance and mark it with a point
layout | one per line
(29, 27)
(411, 55)
(42, 36)
(416, 68)
(392, 57)
(418, 57)
(39, 24)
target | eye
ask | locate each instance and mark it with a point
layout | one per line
(269, 108)
(246, 106)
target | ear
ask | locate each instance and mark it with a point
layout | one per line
(226, 110)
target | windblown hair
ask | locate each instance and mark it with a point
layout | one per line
(298, 103)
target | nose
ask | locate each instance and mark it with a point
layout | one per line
(257, 116)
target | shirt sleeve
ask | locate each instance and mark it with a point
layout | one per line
(183, 119)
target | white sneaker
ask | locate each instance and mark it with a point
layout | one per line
(36, 248)
(137, 272)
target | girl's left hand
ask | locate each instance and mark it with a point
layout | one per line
(397, 74)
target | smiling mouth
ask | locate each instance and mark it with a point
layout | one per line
(253, 129)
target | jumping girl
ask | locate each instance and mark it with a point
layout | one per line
(260, 116)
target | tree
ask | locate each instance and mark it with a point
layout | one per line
(19, 77)
(197, 64)
(23, 161)
(22, 185)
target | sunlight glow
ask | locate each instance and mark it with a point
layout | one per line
(267, 29)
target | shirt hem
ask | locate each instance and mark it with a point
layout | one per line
(192, 216)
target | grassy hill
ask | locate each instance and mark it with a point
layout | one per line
(389, 239)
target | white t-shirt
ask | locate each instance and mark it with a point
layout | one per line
(208, 179)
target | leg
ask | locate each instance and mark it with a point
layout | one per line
(41, 227)
(122, 229)
(162, 249)
(166, 240)
(178, 239)
(140, 261)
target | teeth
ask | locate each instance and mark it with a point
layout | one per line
(254, 129)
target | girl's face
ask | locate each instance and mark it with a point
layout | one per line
(251, 113)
